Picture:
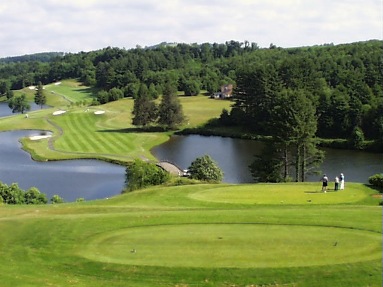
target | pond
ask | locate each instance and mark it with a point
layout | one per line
(6, 111)
(70, 179)
(92, 179)
(234, 156)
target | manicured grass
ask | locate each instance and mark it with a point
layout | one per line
(165, 237)
(200, 109)
(282, 194)
(79, 133)
(71, 90)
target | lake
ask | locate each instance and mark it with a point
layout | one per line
(70, 179)
(6, 111)
(93, 179)
(234, 156)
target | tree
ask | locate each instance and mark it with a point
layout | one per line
(357, 138)
(115, 94)
(206, 169)
(191, 88)
(268, 165)
(144, 109)
(170, 110)
(40, 98)
(294, 125)
(19, 104)
(140, 174)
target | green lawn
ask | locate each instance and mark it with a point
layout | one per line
(166, 237)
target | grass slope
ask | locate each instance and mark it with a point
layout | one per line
(167, 237)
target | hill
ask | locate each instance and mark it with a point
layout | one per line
(198, 235)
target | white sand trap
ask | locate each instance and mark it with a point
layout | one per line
(35, 138)
(58, 83)
(32, 87)
(56, 113)
(99, 112)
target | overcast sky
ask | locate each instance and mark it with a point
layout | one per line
(33, 26)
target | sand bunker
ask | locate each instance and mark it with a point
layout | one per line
(56, 113)
(99, 112)
(35, 138)
(57, 83)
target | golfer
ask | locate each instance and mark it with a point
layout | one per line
(324, 183)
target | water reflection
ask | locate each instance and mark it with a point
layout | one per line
(235, 155)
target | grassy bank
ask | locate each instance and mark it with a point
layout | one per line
(200, 235)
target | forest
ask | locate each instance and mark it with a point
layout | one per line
(341, 84)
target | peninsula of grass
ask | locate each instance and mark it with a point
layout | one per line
(173, 236)
(80, 133)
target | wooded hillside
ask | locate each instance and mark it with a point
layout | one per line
(344, 82)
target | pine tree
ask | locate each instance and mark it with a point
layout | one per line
(144, 109)
(170, 110)
(40, 98)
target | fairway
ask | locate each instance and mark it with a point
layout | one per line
(234, 245)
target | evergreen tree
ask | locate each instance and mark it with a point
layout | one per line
(292, 126)
(40, 98)
(170, 110)
(144, 109)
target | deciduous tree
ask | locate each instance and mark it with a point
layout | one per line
(206, 169)
(19, 104)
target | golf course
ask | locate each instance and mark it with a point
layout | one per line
(289, 234)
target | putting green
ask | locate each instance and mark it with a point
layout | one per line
(233, 245)
(278, 194)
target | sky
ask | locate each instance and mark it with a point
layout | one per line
(35, 26)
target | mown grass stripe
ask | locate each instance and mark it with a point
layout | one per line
(80, 140)
(120, 143)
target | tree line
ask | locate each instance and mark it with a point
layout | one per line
(344, 81)
(293, 95)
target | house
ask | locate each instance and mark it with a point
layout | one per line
(225, 93)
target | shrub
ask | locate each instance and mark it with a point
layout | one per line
(56, 199)
(204, 168)
(140, 174)
(376, 181)
(13, 194)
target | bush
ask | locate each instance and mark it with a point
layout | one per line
(204, 168)
(376, 181)
(140, 174)
(13, 194)
(56, 199)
